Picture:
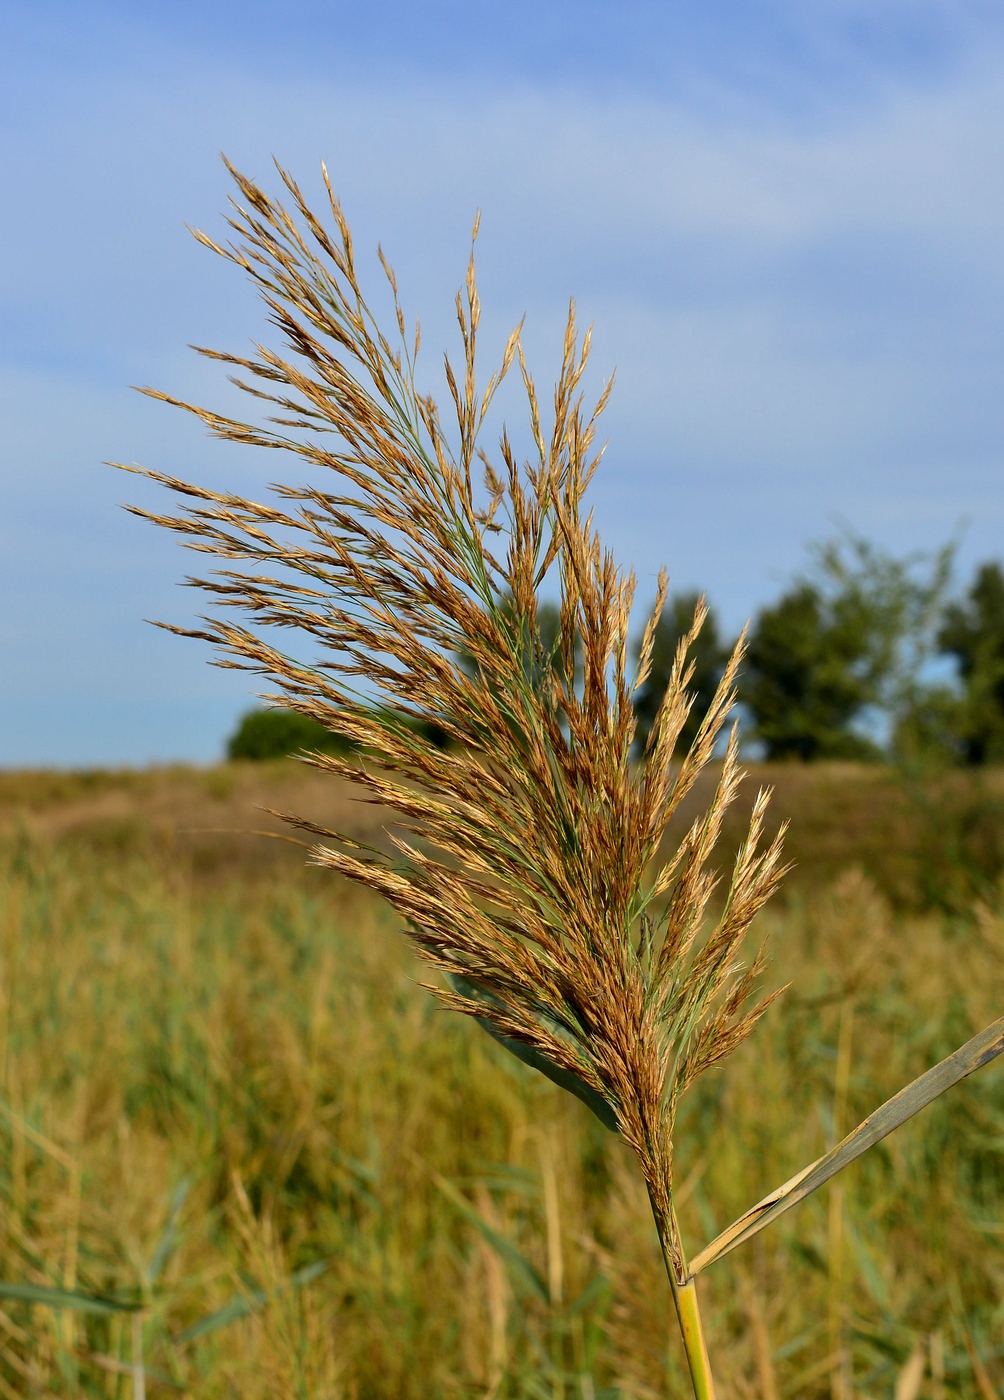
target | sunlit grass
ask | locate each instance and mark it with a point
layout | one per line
(253, 1052)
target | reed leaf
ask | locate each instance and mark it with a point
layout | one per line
(521, 1267)
(244, 1304)
(66, 1298)
(168, 1241)
(977, 1052)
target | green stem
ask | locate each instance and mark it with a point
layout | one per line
(689, 1313)
(687, 1307)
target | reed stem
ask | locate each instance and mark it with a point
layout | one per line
(138, 1372)
(688, 1309)
(689, 1313)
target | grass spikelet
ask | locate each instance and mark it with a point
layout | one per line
(405, 584)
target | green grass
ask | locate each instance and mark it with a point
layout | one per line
(244, 1046)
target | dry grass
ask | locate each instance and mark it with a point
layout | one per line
(207, 821)
(934, 843)
(266, 1041)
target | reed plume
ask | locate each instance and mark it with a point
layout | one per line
(405, 585)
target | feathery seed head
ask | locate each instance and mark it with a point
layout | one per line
(405, 584)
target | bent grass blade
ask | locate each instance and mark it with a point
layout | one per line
(169, 1235)
(245, 1304)
(71, 1299)
(976, 1053)
(123, 1368)
(524, 1271)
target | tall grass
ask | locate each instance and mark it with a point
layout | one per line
(209, 1087)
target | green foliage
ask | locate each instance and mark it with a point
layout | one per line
(707, 654)
(275, 733)
(973, 633)
(928, 731)
(958, 821)
(808, 676)
(847, 643)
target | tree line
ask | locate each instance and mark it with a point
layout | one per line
(864, 656)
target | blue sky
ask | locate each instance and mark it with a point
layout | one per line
(785, 220)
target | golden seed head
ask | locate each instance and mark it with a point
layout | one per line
(527, 856)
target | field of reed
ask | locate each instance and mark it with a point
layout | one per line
(227, 1104)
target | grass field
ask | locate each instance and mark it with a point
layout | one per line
(224, 1095)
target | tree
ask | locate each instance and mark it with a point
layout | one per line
(973, 633)
(841, 652)
(808, 676)
(707, 654)
(928, 732)
(276, 733)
